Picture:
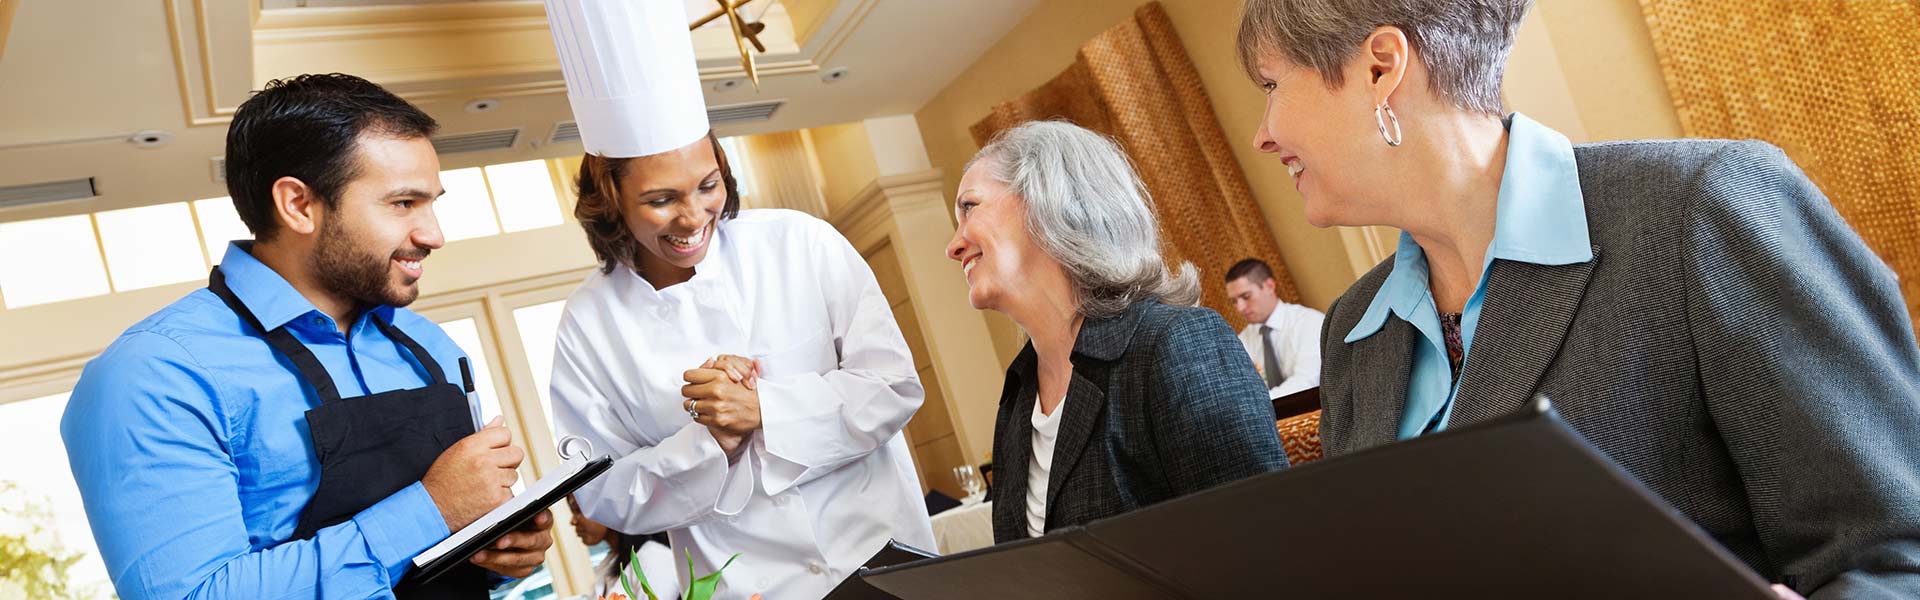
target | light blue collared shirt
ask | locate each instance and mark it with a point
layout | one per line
(188, 439)
(1540, 218)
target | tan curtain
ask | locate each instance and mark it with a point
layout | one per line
(1834, 83)
(782, 174)
(1135, 83)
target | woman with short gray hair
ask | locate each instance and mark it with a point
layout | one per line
(1694, 308)
(1126, 394)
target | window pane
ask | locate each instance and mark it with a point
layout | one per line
(65, 261)
(150, 245)
(523, 193)
(466, 211)
(31, 428)
(219, 225)
(538, 325)
(467, 335)
(739, 163)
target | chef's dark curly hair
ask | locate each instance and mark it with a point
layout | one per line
(598, 208)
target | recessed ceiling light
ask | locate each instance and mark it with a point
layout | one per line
(727, 85)
(150, 139)
(482, 105)
(835, 74)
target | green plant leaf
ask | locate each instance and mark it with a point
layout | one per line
(627, 582)
(633, 558)
(704, 587)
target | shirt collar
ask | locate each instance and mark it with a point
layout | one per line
(1539, 217)
(266, 293)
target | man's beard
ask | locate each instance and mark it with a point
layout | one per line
(347, 268)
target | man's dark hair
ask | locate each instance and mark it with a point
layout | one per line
(1254, 269)
(308, 127)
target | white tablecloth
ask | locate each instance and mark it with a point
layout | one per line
(964, 528)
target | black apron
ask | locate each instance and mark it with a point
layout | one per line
(372, 446)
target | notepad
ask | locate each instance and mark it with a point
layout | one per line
(457, 548)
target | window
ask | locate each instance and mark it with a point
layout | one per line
(739, 163)
(150, 246)
(539, 327)
(219, 225)
(523, 194)
(31, 428)
(466, 211)
(49, 260)
(466, 334)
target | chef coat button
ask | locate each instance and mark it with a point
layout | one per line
(813, 568)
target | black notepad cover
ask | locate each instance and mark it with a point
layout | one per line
(1520, 507)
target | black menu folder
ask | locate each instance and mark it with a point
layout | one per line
(855, 587)
(1519, 507)
(457, 548)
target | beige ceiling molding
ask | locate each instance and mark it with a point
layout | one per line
(212, 57)
(500, 48)
(506, 90)
(844, 29)
(808, 15)
(374, 23)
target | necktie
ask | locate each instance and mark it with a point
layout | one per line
(1273, 375)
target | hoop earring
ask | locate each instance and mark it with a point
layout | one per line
(1382, 115)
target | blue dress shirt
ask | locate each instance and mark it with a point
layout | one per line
(188, 439)
(1540, 218)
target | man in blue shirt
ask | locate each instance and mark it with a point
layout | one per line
(289, 432)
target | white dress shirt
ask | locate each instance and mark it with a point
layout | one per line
(828, 477)
(1296, 341)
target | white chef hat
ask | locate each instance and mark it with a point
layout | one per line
(630, 73)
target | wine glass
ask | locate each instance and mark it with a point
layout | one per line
(970, 481)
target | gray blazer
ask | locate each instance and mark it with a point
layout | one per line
(1163, 403)
(1732, 344)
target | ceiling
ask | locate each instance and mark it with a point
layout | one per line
(179, 66)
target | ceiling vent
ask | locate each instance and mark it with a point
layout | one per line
(501, 139)
(564, 131)
(569, 131)
(740, 113)
(51, 191)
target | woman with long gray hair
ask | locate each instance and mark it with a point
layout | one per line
(1127, 394)
(1695, 308)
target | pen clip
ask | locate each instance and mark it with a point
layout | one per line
(564, 448)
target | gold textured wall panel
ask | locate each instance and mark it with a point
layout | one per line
(1835, 83)
(1135, 83)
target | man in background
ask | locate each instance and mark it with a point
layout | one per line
(1282, 339)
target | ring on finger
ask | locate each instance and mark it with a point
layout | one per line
(693, 409)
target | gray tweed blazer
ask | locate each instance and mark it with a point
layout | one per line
(1732, 344)
(1163, 403)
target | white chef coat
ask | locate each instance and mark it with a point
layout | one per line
(828, 478)
(1296, 340)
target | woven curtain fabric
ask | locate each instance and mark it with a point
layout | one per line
(782, 174)
(1834, 83)
(1135, 83)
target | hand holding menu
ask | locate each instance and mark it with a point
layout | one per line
(460, 546)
